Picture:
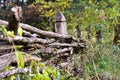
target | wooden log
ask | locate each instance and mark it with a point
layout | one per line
(2, 22)
(66, 44)
(26, 40)
(64, 50)
(9, 58)
(60, 53)
(49, 50)
(13, 71)
(6, 47)
(40, 32)
(9, 46)
(43, 51)
(28, 34)
(14, 17)
(60, 24)
(37, 46)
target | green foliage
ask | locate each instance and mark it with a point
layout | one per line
(49, 8)
(88, 13)
(3, 29)
(47, 11)
(47, 73)
(20, 59)
(5, 32)
(98, 61)
(104, 61)
(20, 31)
(10, 33)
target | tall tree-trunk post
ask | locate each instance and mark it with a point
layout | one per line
(60, 24)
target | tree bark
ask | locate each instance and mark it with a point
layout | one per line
(26, 40)
(66, 44)
(13, 71)
(49, 50)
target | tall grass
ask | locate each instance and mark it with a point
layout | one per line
(101, 62)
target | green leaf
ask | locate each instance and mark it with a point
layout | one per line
(3, 29)
(45, 75)
(20, 59)
(20, 31)
(58, 75)
(10, 33)
(19, 46)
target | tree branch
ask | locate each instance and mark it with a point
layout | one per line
(27, 40)
(13, 71)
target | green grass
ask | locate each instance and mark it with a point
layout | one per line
(101, 61)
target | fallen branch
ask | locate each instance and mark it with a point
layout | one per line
(50, 51)
(43, 51)
(66, 44)
(9, 58)
(6, 47)
(55, 56)
(28, 34)
(13, 71)
(36, 46)
(64, 50)
(27, 40)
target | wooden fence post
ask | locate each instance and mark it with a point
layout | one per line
(60, 24)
